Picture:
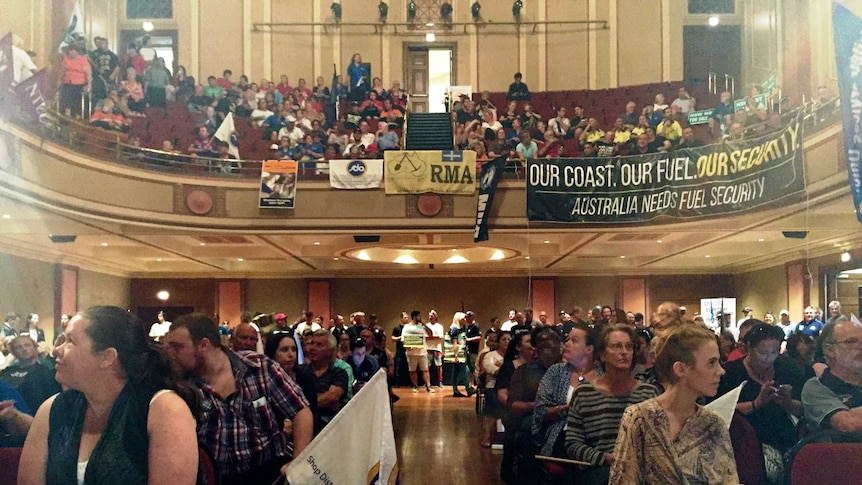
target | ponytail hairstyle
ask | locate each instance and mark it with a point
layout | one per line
(676, 340)
(143, 362)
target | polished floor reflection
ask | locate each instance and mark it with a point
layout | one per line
(438, 438)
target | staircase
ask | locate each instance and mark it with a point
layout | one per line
(429, 131)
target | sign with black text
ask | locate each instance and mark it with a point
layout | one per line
(721, 179)
(848, 46)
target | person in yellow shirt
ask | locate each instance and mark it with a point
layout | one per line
(669, 128)
(592, 133)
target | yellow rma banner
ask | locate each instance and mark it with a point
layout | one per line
(438, 171)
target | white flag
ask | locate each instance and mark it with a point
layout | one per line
(227, 133)
(356, 448)
(355, 174)
(74, 30)
(726, 404)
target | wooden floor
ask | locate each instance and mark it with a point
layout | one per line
(438, 437)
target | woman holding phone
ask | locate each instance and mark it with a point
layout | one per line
(772, 393)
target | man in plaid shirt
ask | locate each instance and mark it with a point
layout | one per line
(245, 400)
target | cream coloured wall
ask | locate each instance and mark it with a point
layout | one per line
(764, 291)
(28, 288)
(102, 289)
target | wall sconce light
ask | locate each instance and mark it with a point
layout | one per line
(411, 10)
(336, 11)
(474, 11)
(845, 257)
(384, 11)
(446, 12)
(516, 10)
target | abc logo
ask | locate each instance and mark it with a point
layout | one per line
(356, 168)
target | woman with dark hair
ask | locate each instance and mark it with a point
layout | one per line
(596, 408)
(670, 439)
(519, 352)
(726, 345)
(282, 348)
(644, 369)
(557, 387)
(121, 419)
(490, 364)
(771, 395)
(800, 348)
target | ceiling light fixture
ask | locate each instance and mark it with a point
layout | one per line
(405, 259)
(761, 240)
(240, 260)
(147, 26)
(163, 295)
(622, 257)
(707, 256)
(547, 242)
(526, 257)
(456, 259)
(363, 256)
(430, 37)
(104, 245)
(7, 216)
(713, 21)
(316, 243)
(845, 257)
(498, 255)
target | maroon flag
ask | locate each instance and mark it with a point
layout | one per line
(31, 99)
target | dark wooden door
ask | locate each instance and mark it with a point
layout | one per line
(712, 49)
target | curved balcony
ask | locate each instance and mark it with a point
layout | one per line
(79, 181)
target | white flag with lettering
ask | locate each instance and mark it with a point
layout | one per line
(356, 448)
(355, 174)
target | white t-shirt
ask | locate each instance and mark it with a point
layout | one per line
(507, 325)
(159, 330)
(22, 65)
(436, 341)
(413, 337)
(302, 326)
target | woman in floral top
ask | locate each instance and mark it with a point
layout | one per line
(670, 439)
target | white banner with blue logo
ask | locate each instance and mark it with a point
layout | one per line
(355, 174)
(848, 53)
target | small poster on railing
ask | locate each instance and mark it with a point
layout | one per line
(278, 184)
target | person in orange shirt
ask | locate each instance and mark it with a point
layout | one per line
(77, 78)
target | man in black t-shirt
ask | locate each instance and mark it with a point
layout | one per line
(400, 353)
(32, 380)
(106, 69)
(474, 339)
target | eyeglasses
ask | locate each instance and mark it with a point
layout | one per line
(619, 346)
(855, 343)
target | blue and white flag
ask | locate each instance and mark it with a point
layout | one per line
(452, 156)
(355, 174)
(227, 133)
(848, 52)
(356, 448)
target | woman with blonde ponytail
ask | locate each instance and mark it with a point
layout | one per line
(670, 439)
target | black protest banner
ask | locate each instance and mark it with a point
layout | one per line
(488, 180)
(721, 179)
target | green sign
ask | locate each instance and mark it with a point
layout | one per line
(769, 86)
(699, 117)
(759, 102)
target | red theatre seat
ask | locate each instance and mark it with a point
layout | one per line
(9, 458)
(747, 451)
(827, 463)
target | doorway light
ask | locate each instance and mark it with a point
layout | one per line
(163, 295)
(845, 257)
(148, 26)
(713, 21)
(430, 37)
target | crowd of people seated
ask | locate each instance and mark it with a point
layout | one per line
(595, 389)
(523, 134)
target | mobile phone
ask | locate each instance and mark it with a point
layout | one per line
(785, 388)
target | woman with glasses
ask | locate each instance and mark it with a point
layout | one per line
(597, 407)
(772, 393)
